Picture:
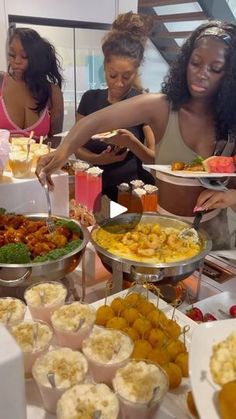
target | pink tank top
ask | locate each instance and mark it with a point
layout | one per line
(41, 127)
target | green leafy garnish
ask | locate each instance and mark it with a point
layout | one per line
(14, 253)
(71, 225)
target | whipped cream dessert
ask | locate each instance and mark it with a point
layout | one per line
(84, 400)
(32, 336)
(73, 317)
(107, 346)
(94, 171)
(81, 166)
(45, 294)
(150, 188)
(12, 310)
(137, 381)
(69, 368)
(137, 183)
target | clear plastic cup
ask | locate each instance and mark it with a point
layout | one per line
(94, 185)
(72, 323)
(12, 311)
(34, 339)
(151, 198)
(20, 163)
(88, 399)
(44, 298)
(106, 350)
(56, 371)
(81, 187)
(124, 195)
(140, 387)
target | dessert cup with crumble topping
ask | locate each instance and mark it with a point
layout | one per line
(106, 350)
(12, 311)
(45, 297)
(67, 368)
(140, 386)
(72, 323)
(84, 400)
(34, 339)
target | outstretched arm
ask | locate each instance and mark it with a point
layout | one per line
(130, 112)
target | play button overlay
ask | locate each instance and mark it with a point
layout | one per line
(116, 209)
(108, 212)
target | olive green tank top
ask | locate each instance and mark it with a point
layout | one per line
(172, 147)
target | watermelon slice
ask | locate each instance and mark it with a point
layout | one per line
(219, 164)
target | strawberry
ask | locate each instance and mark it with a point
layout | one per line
(232, 311)
(208, 317)
(195, 314)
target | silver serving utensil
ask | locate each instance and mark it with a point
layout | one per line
(49, 144)
(213, 184)
(49, 221)
(41, 296)
(35, 331)
(191, 232)
(80, 324)
(8, 317)
(97, 414)
(28, 150)
(51, 379)
(154, 395)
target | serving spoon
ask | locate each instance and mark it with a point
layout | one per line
(192, 232)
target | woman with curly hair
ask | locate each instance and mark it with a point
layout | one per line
(30, 93)
(123, 49)
(194, 115)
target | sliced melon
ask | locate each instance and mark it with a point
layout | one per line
(219, 164)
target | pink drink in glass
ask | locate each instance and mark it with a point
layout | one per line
(94, 185)
(81, 187)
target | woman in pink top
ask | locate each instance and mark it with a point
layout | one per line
(30, 93)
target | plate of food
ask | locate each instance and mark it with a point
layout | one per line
(102, 135)
(213, 167)
(212, 369)
(221, 306)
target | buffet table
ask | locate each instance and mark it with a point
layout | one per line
(174, 404)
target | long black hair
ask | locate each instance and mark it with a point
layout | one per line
(43, 65)
(224, 104)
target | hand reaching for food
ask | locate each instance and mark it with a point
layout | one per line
(210, 199)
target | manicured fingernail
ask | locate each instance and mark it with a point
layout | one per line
(195, 209)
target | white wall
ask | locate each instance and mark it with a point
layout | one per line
(103, 11)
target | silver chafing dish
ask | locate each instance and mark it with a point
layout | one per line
(25, 274)
(140, 271)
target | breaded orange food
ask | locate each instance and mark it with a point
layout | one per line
(227, 400)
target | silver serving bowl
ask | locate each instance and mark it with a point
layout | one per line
(25, 274)
(150, 272)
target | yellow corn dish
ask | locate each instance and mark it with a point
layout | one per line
(149, 243)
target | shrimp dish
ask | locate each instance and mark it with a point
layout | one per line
(147, 243)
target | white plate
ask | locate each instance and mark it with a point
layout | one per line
(222, 301)
(166, 168)
(107, 134)
(204, 336)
